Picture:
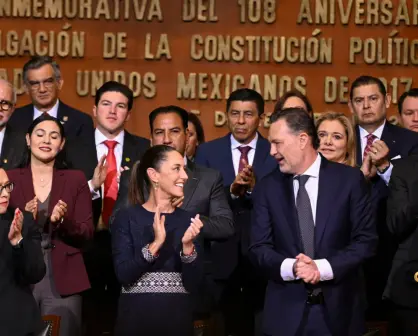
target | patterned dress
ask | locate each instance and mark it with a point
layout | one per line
(156, 291)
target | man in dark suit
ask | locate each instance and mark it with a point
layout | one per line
(242, 156)
(402, 220)
(21, 265)
(203, 193)
(12, 143)
(385, 144)
(43, 82)
(112, 150)
(312, 228)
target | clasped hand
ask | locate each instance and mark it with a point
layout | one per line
(306, 269)
(244, 181)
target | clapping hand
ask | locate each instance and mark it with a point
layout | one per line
(15, 232)
(190, 235)
(32, 206)
(100, 172)
(58, 212)
(245, 180)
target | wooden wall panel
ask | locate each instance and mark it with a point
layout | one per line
(385, 30)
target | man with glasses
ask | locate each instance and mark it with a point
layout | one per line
(43, 82)
(21, 264)
(12, 144)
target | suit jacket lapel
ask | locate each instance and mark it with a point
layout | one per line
(359, 154)
(288, 205)
(327, 191)
(7, 149)
(389, 140)
(226, 158)
(128, 153)
(27, 179)
(261, 151)
(58, 185)
(191, 184)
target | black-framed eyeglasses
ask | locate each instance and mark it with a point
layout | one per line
(5, 105)
(48, 83)
(8, 187)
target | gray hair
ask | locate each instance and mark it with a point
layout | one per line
(37, 62)
(14, 92)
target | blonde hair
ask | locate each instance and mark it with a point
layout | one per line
(349, 131)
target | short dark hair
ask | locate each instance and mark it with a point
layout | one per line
(411, 93)
(37, 62)
(182, 113)
(298, 121)
(60, 162)
(139, 180)
(367, 80)
(294, 93)
(200, 133)
(113, 86)
(246, 95)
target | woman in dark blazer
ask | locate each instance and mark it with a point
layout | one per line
(155, 255)
(60, 202)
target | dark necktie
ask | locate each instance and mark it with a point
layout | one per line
(244, 156)
(370, 139)
(306, 222)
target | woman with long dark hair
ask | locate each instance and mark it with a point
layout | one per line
(60, 202)
(156, 257)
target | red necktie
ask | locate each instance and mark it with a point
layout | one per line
(110, 184)
(244, 156)
(370, 139)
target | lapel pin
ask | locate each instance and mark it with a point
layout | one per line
(65, 118)
(127, 159)
(5, 160)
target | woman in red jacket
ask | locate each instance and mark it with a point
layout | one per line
(60, 201)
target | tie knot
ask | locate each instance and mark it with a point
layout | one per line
(370, 137)
(302, 179)
(110, 144)
(244, 149)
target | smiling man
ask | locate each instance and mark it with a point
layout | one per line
(43, 82)
(385, 144)
(112, 149)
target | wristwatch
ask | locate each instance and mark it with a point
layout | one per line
(384, 170)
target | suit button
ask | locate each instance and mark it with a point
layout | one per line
(53, 246)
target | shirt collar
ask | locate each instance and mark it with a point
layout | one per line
(53, 112)
(235, 144)
(313, 170)
(378, 132)
(99, 137)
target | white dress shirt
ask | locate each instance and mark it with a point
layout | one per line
(2, 132)
(378, 134)
(102, 149)
(236, 154)
(311, 186)
(53, 112)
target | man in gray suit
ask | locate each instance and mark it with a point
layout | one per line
(203, 192)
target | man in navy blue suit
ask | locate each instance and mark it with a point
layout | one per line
(242, 156)
(385, 144)
(312, 228)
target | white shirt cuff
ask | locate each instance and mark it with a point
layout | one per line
(325, 270)
(94, 194)
(286, 269)
(386, 175)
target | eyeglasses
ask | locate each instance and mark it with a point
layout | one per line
(48, 83)
(8, 187)
(6, 105)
